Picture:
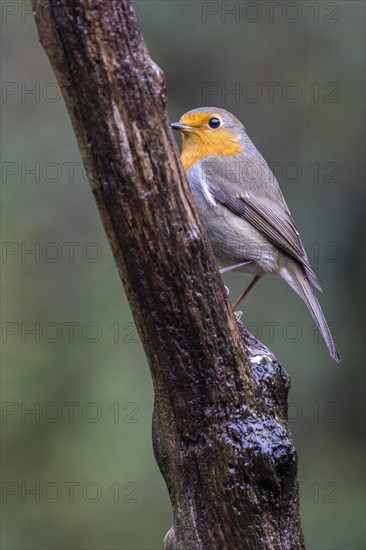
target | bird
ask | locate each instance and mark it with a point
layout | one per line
(247, 220)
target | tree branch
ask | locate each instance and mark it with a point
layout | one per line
(220, 430)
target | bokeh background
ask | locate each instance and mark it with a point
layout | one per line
(79, 472)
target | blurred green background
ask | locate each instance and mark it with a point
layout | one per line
(78, 472)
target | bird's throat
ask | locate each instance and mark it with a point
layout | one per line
(199, 145)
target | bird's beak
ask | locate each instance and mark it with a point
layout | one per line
(181, 127)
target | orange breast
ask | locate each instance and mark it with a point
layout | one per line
(202, 143)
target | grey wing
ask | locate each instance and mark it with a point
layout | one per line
(272, 219)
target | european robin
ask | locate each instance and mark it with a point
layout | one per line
(246, 217)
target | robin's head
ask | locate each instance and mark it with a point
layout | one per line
(209, 131)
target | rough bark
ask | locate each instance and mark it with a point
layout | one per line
(220, 430)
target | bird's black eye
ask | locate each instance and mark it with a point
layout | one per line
(214, 122)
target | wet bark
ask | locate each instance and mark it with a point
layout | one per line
(220, 430)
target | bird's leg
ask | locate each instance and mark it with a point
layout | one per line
(235, 266)
(230, 268)
(247, 290)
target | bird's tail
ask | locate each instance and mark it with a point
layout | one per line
(298, 280)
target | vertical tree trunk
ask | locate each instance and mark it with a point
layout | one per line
(220, 431)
